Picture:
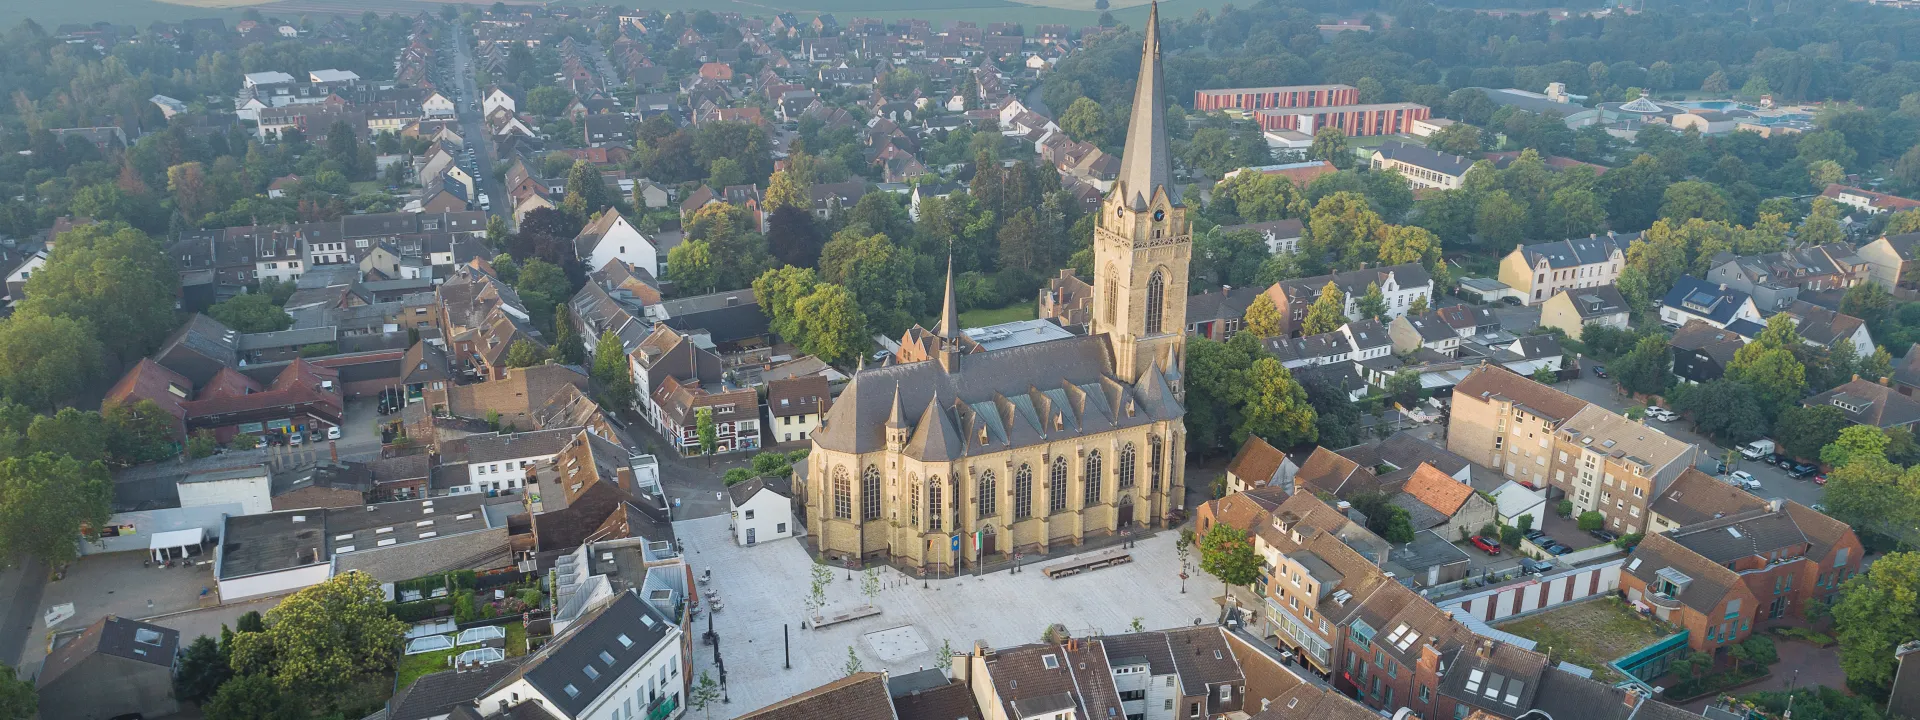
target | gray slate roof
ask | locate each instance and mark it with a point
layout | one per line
(560, 664)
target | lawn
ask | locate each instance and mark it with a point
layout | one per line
(414, 667)
(982, 317)
(1590, 634)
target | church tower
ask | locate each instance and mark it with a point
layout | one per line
(1141, 244)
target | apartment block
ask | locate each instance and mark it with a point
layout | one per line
(1354, 120)
(1289, 96)
(1540, 271)
(1608, 464)
(1506, 422)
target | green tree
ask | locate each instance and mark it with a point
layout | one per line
(789, 189)
(1500, 221)
(1590, 521)
(1725, 409)
(708, 434)
(1694, 199)
(830, 325)
(1803, 431)
(1822, 225)
(587, 193)
(548, 100)
(1647, 368)
(18, 699)
(1330, 144)
(252, 697)
(1822, 173)
(1084, 121)
(251, 313)
(1572, 212)
(47, 500)
(690, 267)
(1226, 553)
(200, 672)
(523, 353)
(1876, 613)
(506, 268)
(853, 666)
(1342, 230)
(1277, 408)
(1401, 244)
(321, 641)
(1770, 366)
(139, 432)
(1404, 386)
(724, 172)
(567, 347)
(201, 444)
(704, 695)
(115, 277)
(1263, 317)
(1458, 138)
(1855, 443)
(610, 370)
(1327, 313)
(1373, 304)
(778, 290)
(1716, 84)
(45, 361)
(543, 286)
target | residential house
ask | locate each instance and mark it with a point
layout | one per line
(1873, 203)
(1394, 459)
(1540, 271)
(1218, 314)
(830, 199)
(114, 668)
(761, 509)
(1870, 403)
(732, 410)
(1424, 168)
(609, 237)
(1400, 286)
(1431, 331)
(1573, 310)
(1775, 280)
(1718, 305)
(1259, 465)
(606, 130)
(1696, 497)
(1436, 501)
(1702, 352)
(1608, 464)
(497, 464)
(1892, 259)
(1506, 422)
(1723, 578)
(1281, 236)
(1326, 471)
(1823, 328)
(623, 659)
(796, 406)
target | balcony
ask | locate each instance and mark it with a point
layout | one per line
(1663, 600)
(667, 704)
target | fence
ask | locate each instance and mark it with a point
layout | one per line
(1537, 593)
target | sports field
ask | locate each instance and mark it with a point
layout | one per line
(1076, 13)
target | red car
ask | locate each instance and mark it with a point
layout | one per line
(1820, 479)
(1491, 546)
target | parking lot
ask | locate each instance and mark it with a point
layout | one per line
(764, 587)
(114, 584)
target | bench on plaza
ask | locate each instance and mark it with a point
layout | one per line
(837, 616)
(1083, 563)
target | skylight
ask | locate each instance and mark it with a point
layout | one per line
(592, 674)
(606, 657)
(1734, 531)
(572, 692)
(1051, 662)
(625, 641)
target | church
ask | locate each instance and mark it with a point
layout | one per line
(951, 455)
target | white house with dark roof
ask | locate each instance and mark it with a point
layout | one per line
(622, 660)
(1540, 271)
(761, 510)
(497, 463)
(1424, 168)
(610, 237)
(1718, 305)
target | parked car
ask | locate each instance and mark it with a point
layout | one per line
(1662, 414)
(1744, 479)
(1530, 566)
(1489, 545)
(1599, 371)
(296, 439)
(1802, 470)
(1557, 549)
(1820, 479)
(333, 433)
(1602, 535)
(1780, 461)
(1536, 534)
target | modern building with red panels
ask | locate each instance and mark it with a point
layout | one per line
(1354, 120)
(1290, 96)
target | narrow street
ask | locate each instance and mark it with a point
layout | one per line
(473, 126)
(20, 588)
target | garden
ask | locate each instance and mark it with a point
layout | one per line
(414, 667)
(1591, 634)
(465, 596)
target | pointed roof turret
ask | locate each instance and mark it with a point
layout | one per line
(898, 418)
(1147, 163)
(949, 309)
(935, 440)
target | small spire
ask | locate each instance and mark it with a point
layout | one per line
(949, 310)
(899, 417)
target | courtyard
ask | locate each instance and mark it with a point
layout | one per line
(1591, 633)
(765, 586)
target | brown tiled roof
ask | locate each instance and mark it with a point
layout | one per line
(1326, 471)
(1711, 581)
(1203, 658)
(951, 701)
(798, 396)
(1437, 490)
(1257, 461)
(1696, 496)
(1823, 531)
(860, 696)
(1489, 381)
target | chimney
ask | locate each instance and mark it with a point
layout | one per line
(1632, 698)
(333, 451)
(1723, 287)
(1856, 376)
(1485, 650)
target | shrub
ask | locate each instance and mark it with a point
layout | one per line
(531, 597)
(1565, 508)
(1591, 520)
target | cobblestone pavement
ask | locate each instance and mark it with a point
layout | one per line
(764, 587)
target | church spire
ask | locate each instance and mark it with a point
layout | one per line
(949, 311)
(1147, 163)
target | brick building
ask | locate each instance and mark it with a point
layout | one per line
(1287, 96)
(1354, 120)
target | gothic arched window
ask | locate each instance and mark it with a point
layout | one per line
(1126, 467)
(913, 501)
(1153, 462)
(1023, 492)
(842, 494)
(1156, 289)
(1057, 486)
(870, 494)
(933, 504)
(987, 499)
(1091, 476)
(1113, 294)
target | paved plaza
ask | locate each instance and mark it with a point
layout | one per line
(764, 586)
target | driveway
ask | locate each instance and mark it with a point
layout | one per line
(1773, 480)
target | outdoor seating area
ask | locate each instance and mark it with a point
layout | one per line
(1083, 563)
(836, 617)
